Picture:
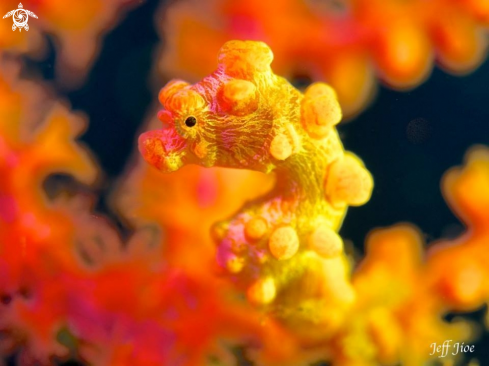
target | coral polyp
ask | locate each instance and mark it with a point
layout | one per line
(399, 317)
(284, 245)
(76, 28)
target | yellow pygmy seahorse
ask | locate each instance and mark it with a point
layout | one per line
(282, 248)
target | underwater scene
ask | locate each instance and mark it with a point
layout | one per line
(244, 183)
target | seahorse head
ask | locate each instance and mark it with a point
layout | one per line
(228, 119)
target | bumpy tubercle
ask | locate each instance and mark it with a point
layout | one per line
(283, 249)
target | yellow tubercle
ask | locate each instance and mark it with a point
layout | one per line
(284, 242)
(280, 148)
(320, 110)
(348, 182)
(256, 228)
(262, 292)
(326, 242)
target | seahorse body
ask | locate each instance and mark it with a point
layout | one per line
(283, 248)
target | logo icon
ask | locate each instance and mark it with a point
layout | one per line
(20, 17)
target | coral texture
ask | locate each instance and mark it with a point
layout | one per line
(403, 294)
(347, 43)
(282, 248)
(75, 26)
(37, 236)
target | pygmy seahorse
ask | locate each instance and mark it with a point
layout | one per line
(283, 249)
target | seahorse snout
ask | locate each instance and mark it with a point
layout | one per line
(164, 149)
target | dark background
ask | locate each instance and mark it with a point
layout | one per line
(406, 139)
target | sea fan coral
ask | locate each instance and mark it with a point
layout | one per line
(402, 316)
(397, 315)
(460, 267)
(344, 43)
(76, 28)
(283, 292)
(36, 236)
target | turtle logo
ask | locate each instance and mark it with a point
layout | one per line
(20, 17)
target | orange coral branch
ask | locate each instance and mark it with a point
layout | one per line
(76, 26)
(347, 45)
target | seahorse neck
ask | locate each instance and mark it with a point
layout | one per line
(301, 177)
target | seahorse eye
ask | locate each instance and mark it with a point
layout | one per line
(191, 121)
